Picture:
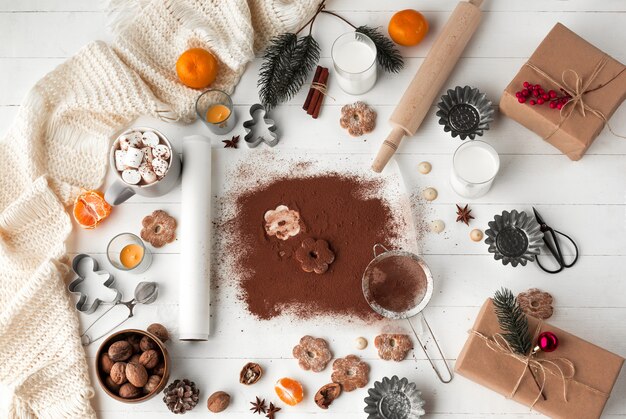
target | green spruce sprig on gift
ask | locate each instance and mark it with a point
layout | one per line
(513, 321)
(288, 59)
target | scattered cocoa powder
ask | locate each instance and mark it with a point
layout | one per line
(397, 283)
(341, 209)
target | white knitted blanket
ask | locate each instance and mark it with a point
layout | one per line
(58, 144)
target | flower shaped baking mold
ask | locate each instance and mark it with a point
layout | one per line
(514, 237)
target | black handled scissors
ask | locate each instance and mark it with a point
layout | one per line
(553, 246)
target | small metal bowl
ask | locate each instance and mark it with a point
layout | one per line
(465, 112)
(122, 335)
(514, 237)
(394, 398)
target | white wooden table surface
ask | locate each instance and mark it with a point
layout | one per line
(586, 199)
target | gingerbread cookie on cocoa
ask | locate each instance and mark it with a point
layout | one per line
(314, 255)
(350, 372)
(159, 228)
(393, 347)
(312, 353)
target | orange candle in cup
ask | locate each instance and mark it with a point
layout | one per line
(131, 255)
(217, 113)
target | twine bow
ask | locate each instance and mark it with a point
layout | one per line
(552, 366)
(322, 88)
(577, 90)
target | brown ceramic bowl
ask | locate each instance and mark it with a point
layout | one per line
(122, 335)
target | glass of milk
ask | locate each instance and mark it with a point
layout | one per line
(474, 166)
(354, 59)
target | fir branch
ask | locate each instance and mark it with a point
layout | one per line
(286, 64)
(512, 321)
(388, 56)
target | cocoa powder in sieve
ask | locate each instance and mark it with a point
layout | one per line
(332, 207)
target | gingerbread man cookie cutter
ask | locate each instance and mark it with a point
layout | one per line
(260, 129)
(82, 304)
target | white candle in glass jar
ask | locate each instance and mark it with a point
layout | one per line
(354, 59)
(474, 166)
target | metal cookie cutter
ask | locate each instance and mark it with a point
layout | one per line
(259, 122)
(81, 304)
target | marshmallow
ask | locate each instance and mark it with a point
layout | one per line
(147, 174)
(147, 154)
(131, 176)
(133, 157)
(135, 139)
(119, 160)
(162, 151)
(159, 166)
(150, 139)
(124, 142)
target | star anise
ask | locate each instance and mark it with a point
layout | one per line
(272, 411)
(259, 406)
(232, 143)
(463, 215)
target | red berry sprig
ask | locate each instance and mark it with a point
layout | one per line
(536, 95)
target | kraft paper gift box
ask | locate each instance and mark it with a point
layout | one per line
(596, 370)
(559, 55)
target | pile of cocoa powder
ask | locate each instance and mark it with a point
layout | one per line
(341, 209)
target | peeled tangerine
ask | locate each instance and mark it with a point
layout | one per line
(90, 209)
(289, 391)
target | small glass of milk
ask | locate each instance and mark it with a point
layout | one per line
(354, 59)
(474, 166)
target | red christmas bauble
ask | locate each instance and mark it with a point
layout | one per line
(547, 342)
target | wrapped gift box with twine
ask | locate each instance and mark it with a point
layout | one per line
(595, 81)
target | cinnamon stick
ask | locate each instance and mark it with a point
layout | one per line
(323, 80)
(309, 96)
(316, 94)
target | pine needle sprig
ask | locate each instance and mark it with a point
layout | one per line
(512, 321)
(387, 54)
(276, 62)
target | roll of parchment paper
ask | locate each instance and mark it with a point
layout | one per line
(195, 240)
(430, 77)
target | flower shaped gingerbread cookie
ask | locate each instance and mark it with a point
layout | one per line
(312, 354)
(315, 255)
(282, 222)
(536, 303)
(393, 346)
(350, 372)
(358, 119)
(159, 228)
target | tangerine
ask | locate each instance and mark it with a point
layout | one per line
(289, 391)
(90, 209)
(407, 27)
(197, 68)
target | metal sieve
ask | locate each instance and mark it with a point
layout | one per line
(418, 305)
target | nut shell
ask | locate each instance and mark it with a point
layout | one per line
(327, 394)
(134, 358)
(118, 373)
(105, 363)
(134, 342)
(120, 351)
(129, 391)
(146, 343)
(159, 331)
(152, 384)
(218, 401)
(136, 374)
(159, 369)
(149, 359)
(250, 373)
(111, 385)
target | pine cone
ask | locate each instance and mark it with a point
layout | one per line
(181, 396)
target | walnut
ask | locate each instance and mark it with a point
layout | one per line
(134, 342)
(106, 363)
(218, 401)
(136, 374)
(129, 391)
(159, 331)
(159, 369)
(111, 385)
(147, 343)
(118, 373)
(149, 359)
(327, 394)
(135, 358)
(250, 374)
(152, 384)
(120, 351)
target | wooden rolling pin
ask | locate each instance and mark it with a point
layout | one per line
(430, 77)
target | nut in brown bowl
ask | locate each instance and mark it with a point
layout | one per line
(132, 365)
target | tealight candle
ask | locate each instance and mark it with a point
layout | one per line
(474, 166)
(127, 252)
(354, 60)
(215, 109)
